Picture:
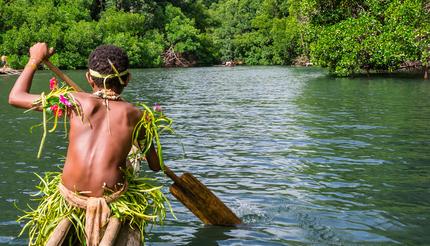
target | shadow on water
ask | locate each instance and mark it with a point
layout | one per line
(209, 235)
(413, 75)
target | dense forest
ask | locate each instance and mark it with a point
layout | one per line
(346, 36)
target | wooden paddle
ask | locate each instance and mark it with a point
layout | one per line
(187, 189)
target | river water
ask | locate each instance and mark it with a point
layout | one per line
(302, 158)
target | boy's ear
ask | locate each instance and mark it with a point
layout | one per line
(127, 80)
(90, 79)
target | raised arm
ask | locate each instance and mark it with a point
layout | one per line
(19, 96)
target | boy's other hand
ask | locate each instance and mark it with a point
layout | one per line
(39, 52)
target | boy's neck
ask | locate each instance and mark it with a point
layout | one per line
(107, 94)
(115, 90)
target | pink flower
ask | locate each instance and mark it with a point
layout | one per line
(56, 110)
(53, 83)
(64, 101)
(157, 107)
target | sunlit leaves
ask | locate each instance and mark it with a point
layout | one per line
(383, 38)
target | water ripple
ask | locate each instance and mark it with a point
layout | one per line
(302, 158)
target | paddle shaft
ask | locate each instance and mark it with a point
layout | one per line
(63, 76)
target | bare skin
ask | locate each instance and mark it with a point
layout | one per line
(94, 156)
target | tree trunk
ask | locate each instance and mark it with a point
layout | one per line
(174, 59)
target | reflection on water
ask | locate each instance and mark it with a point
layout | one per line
(301, 157)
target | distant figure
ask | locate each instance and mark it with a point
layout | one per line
(229, 63)
(4, 64)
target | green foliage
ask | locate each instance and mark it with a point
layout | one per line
(144, 29)
(79, 41)
(396, 35)
(124, 30)
(129, 43)
(344, 47)
(347, 36)
(152, 49)
(195, 10)
(114, 21)
(180, 31)
(206, 54)
(49, 22)
(261, 32)
(243, 33)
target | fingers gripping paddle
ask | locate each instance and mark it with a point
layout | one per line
(186, 188)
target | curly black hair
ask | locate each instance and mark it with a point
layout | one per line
(98, 61)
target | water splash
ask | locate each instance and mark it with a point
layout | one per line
(251, 214)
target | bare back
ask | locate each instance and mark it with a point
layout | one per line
(95, 155)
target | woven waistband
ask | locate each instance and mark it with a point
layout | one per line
(81, 201)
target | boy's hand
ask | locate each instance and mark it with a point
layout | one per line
(152, 159)
(20, 95)
(39, 52)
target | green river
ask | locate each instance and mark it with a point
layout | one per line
(301, 157)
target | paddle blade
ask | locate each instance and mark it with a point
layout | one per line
(202, 202)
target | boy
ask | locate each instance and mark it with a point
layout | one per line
(100, 136)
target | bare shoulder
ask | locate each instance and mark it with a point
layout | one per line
(81, 96)
(92, 104)
(130, 111)
(134, 111)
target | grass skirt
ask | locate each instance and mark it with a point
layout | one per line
(141, 204)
